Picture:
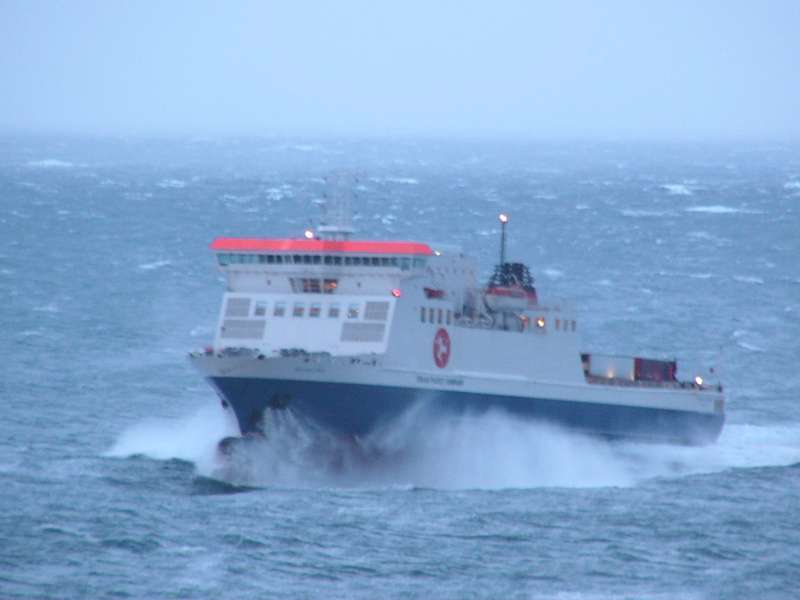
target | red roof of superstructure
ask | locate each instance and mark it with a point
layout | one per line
(304, 245)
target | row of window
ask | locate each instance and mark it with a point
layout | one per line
(315, 309)
(404, 263)
(438, 316)
(310, 285)
(568, 325)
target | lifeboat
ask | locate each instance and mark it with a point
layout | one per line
(510, 289)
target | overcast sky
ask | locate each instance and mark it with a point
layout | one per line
(544, 70)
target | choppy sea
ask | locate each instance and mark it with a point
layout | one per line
(109, 486)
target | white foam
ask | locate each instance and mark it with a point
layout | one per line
(395, 179)
(750, 347)
(154, 265)
(553, 273)
(48, 308)
(171, 183)
(748, 279)
(193, 438)
(490, 451)
(50, 163)
(677, 189)
(718, 209)
(792, 185)
(631, 212)
(581, 207)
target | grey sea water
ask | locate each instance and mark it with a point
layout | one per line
(109, 482)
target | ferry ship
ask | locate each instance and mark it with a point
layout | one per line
(351, 334)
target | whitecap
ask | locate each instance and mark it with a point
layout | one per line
(719, 209)
(171, 183)
(553, 273)
(748, 279)
(792, 185)
(50, 163)
(395, 179)
(632, 212)
(750, 347)
(581, 207)
(154, 265)
(677, 189)
(48, 308)
(278, 193)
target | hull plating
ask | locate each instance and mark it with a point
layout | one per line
(355, 410)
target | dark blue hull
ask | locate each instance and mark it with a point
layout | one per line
(354, 409)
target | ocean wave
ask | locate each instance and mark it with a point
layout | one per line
(395, 179)
(677, 189)
(748, 279)
(750, 347)
(47, 308)
(704, 235)
(154, 265)
(193, 438)
(632, 212)
(792, 185)
(171, 184)
(50, 163)
(279, 193)
(553, 273)
(426, 450)
(719, 209)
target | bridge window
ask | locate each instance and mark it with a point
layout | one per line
(280, 309)
(449, 316)
(314, 309)
(439, 320)
(328, 260)
(329, 285)
(298, 310)
(333, 311)
(430, 316)
(352, 311)
(405, 264)
(261, 309)
(279, 259)
(422, 314)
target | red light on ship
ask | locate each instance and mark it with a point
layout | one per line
(396, 293)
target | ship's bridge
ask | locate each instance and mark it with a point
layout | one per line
(317, 295)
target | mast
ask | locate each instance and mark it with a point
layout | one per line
(503, 217)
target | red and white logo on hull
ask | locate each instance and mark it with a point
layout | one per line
(441, 348)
